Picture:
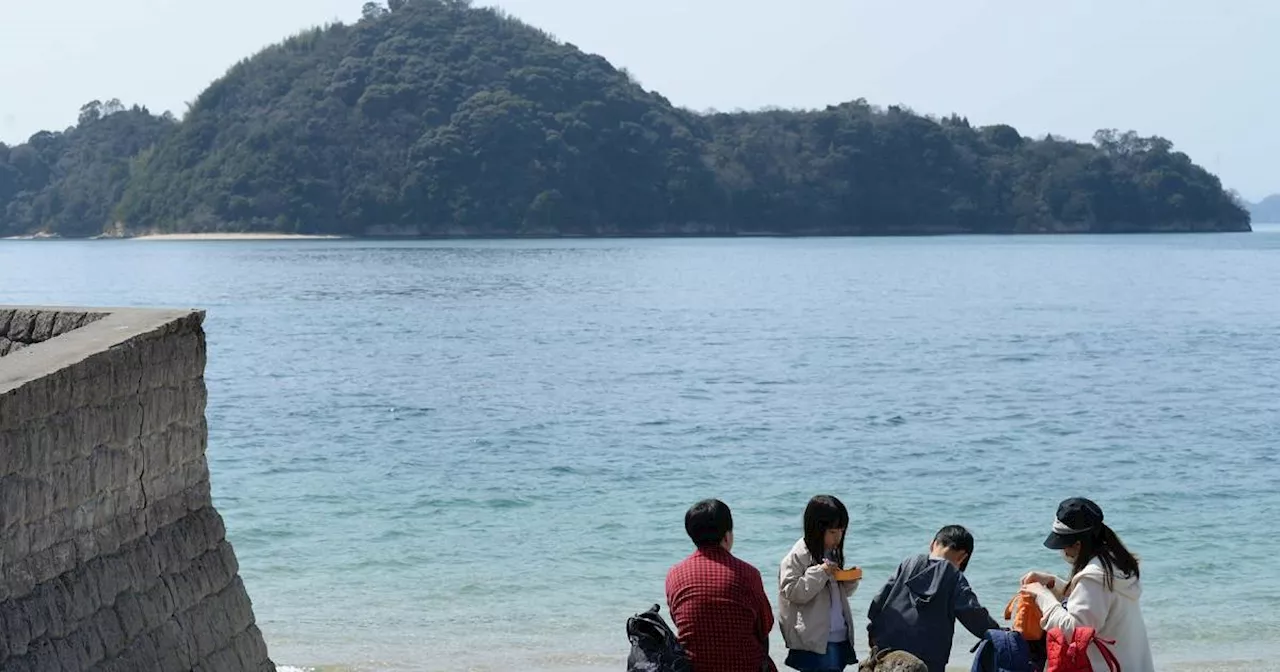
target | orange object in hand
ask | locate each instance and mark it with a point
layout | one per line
(853, 574)
(1026, 617)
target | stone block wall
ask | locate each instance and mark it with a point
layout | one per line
(112, 556)
(20, 327)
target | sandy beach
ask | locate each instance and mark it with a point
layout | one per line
(235, 236)
(34, 236)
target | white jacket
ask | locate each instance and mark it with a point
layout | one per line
(1113, 614)
(804, 602)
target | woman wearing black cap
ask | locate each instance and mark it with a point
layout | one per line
(1103, 591)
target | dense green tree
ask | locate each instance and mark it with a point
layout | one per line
(69, 182)
(431, 117)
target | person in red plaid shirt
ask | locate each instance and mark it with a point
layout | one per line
(717, 601)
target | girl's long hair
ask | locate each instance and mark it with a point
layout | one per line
(1105, 545)
(823, 513)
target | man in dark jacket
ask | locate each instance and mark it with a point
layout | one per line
(917, 609)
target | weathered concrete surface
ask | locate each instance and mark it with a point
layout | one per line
(112, 556)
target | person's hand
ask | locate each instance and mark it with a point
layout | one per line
(1038, 577)
(1037, 590)
(830, 567)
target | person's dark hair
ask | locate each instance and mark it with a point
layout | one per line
(1105, 545)
(823, 513)
(956, 538)
(707, 522)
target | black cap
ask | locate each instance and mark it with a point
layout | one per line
(1077, 518)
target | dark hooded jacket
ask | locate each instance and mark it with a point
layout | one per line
(917, 610)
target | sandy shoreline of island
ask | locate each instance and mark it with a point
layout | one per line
(234, 236)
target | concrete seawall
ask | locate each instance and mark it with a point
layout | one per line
(112, 556)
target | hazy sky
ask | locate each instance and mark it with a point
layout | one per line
(1205, 74)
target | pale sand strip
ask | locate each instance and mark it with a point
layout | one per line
(234, 236)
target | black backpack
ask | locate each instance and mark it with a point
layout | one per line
(654, 647)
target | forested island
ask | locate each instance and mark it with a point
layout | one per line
(436, 118)
(1266, 210)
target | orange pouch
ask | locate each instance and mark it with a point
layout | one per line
(1026, 616)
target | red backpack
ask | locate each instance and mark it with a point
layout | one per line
(1072, 655)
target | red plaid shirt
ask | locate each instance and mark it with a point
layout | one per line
(720, 611)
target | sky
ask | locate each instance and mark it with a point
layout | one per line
(1204, 74)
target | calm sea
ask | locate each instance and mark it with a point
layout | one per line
(477, 455)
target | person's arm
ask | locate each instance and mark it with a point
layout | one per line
(850, 587)
(800, 584)
(674, 606)
(764, 610)
(669, 589)
(971, 614)
(877, 605)
(1087, 605)
(1056, 584)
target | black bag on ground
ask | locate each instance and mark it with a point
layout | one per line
(654, 647)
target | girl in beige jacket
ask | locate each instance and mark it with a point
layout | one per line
(814, 614)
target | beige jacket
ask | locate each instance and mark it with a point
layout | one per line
(804, 602)
(1114, 613)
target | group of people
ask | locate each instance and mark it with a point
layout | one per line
(723, 616)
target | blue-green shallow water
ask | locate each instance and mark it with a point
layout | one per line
(477, 455)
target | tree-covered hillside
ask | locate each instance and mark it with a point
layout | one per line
(431, 117)
(1266, 210)
(69, 182)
